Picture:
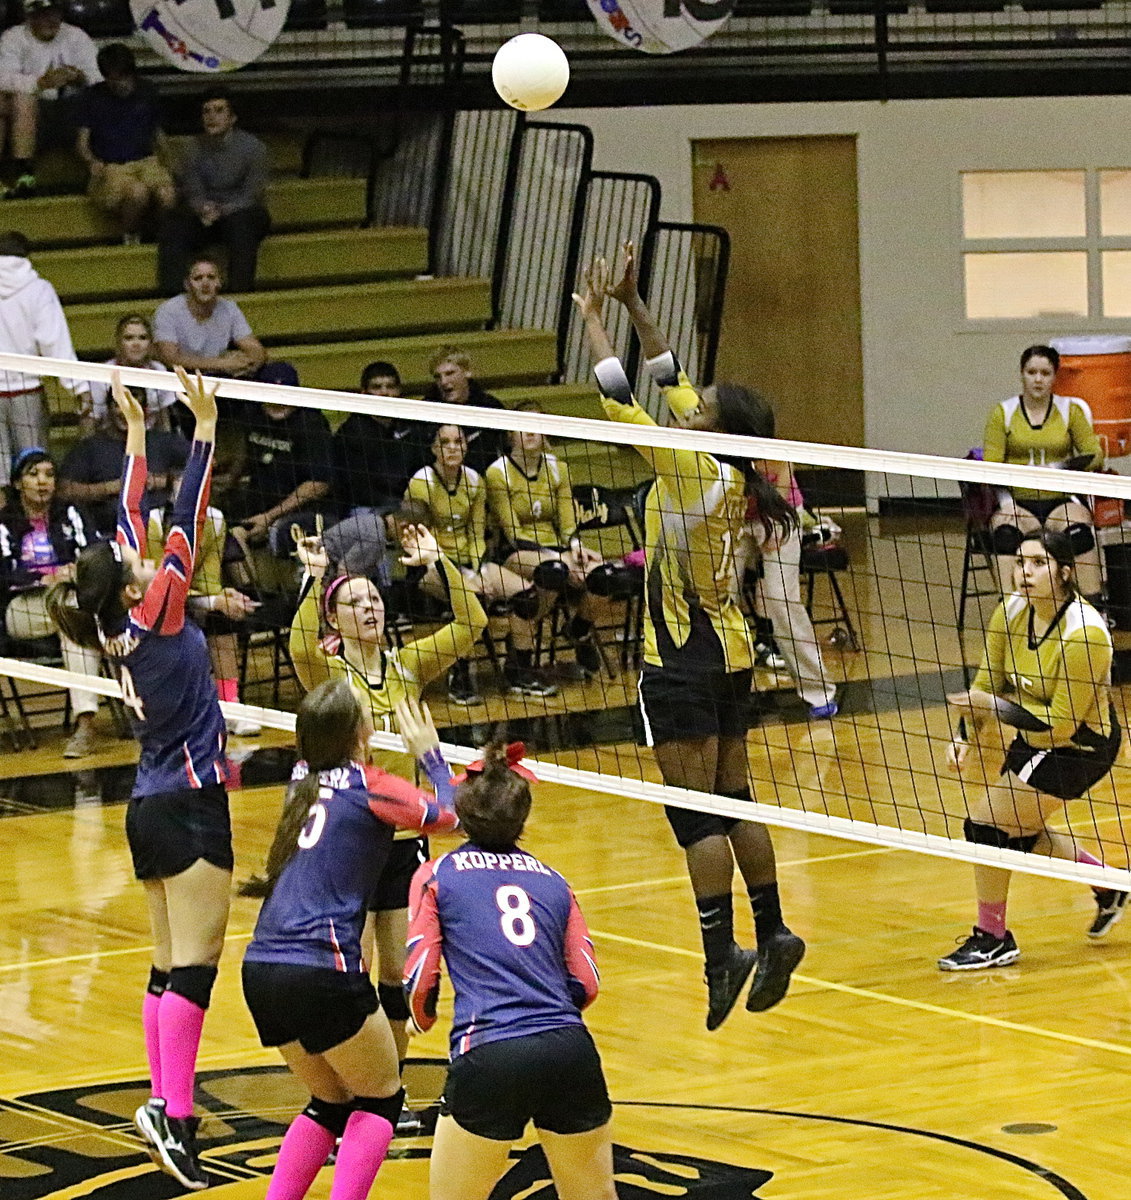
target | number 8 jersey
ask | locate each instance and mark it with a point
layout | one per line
(516, 946)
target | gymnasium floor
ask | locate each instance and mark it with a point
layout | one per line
(878, 1078)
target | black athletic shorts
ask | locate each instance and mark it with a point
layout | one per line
(553, 1079)
(317, 1007)
(1066, 772)
(681, 707)
(1041, 508)
(391, 892)
(169, 831)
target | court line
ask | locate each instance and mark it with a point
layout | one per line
(901, 1001)
(668, 879)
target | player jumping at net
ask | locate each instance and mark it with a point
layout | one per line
(522, 967)
(304, 976)
(698, 658)
(1042, 696)
(177, 823)
(355, 650)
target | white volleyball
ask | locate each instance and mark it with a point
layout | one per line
(661, 26)
(209, 35)
(530, 71)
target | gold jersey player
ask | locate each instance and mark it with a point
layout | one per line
(697, 674)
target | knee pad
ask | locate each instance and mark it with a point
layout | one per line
(612, 580)
(158, 981)
(388, 1107)
(739, 794)
(1081, 536)
(990, 835)
(1006, 539)
(332, 1117)
(551, 575)
(525, 604)
(193, 983)
(393, 1002)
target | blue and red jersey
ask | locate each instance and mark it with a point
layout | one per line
(161, 660)
(517, 948)
(316, 910)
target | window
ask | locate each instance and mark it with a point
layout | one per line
(1045, 246)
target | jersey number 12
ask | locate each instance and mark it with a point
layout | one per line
(516, 921)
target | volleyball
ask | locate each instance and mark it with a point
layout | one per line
(660, 26)
(203, 36)
(530, 72)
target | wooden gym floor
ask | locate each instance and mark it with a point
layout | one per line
(879, 1078)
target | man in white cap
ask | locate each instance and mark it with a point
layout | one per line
(43, 62)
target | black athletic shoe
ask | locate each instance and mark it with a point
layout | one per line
(1109, 908)
(409, 1124)
(522, 681)
(981, 950)
(461, 690)
(724, 983)
(587, 655)
(173, 1143)
(777, 959)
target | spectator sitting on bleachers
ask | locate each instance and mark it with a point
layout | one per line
(201, 330)
(222, 183)
(288, 459)
(40, 538)
(91, 474)
(42, 62)
(453, 383)
(31, 322)
(133, 342)
(121, 141)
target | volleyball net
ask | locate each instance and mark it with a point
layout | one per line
(876, 605)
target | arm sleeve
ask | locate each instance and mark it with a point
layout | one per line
(12, 78)
(1086, 663)
(241, 327)
(310, 660)
(1085, 440)
(398, 803)
(254, 181)
(501, 503)
(419, 491)
(565, 511)
(131, 524)
(86, 57)
(993, 440)
(425, 945)
(429, 657)
(580, 960)
(991, 673)
(163, 609)
(190, 178)
(52, 336)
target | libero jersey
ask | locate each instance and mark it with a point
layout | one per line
(458, 514)
(161, 659)
(1064, 676)
(516, 946)
(692, 518)
(316, 910)
(537, 509)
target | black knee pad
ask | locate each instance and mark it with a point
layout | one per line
(739, 794)
(194, 983)
(393, 1002)
(990, 835)
(611, 579)
(552, 575)
(388, 1107)
(525, 604)
(691, 826)
(158, 981)
(330, 1116)
(1082, 537)
(1006, 539)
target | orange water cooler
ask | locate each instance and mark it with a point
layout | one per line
(1098, 369)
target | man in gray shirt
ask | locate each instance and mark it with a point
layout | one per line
(222, 182)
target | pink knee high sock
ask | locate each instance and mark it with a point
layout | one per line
(228, 690)
(1084, 857)
(179, 1026)
(149, 1008)
(363, 1149)
(302, 1154)
(991, 918)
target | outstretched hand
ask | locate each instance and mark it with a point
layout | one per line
(126, 401)
(627, 289)
(419, 546)
(311, 553)
(591, 301)
(200, 399)
(416, 727)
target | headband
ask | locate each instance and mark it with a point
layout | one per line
(25, 456)
(516, 752)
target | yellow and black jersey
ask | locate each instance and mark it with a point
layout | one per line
(1062, 678)
(1066, 431)
(458, 514)
(207, 579)
(692, 519)
(533, 509)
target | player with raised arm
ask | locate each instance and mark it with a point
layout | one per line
(1041, 697)
(522, 968)
(177, 822)
(698, 658)
(304, 975)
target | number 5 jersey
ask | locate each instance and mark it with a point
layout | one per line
(517, 947)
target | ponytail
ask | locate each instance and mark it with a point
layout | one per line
(493, 802)
(296, 809)
(70, 620)
(91, 604)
